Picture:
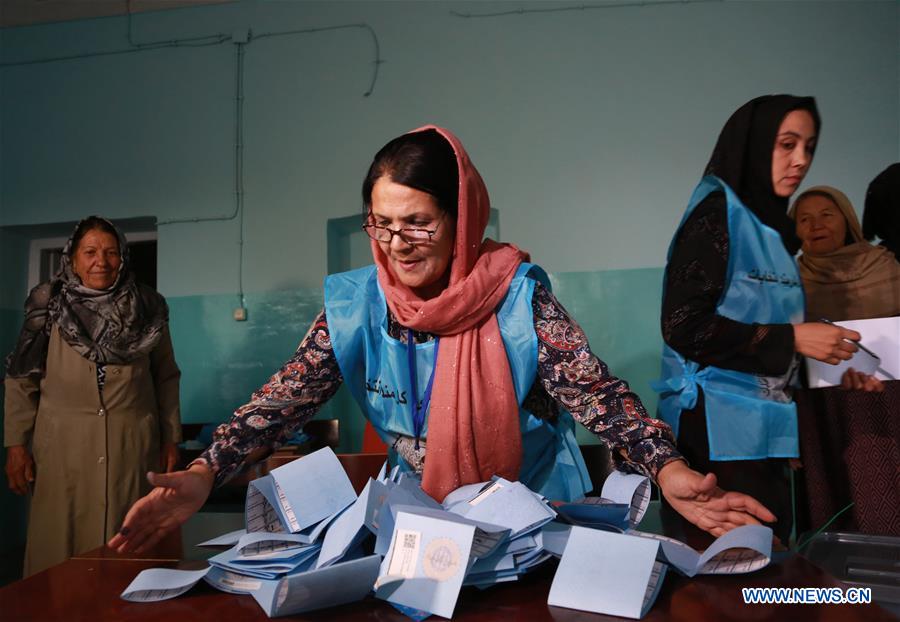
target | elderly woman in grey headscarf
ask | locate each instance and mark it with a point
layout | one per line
(91, 399)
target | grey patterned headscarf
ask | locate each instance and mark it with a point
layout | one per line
(111, 326)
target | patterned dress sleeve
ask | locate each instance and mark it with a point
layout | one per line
(281, 406)
(581, 383)
(695, 280)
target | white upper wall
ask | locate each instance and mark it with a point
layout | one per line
(589, 127)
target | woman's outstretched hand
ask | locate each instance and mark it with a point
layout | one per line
(702, 502)
(174, 499)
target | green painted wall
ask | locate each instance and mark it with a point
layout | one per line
(589, 127)
(223, 361)
(619, 312)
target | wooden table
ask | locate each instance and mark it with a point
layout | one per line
(87, 589)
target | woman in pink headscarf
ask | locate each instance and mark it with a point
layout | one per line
(460, 356)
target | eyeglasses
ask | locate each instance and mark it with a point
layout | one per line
(410, 235)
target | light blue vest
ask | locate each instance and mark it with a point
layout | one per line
(748, 416)
(376, 370)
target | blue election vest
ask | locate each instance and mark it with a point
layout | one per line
(748, 416)
(376, 369)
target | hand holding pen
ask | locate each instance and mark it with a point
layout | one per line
(857, 341)
(853, 379)
(848, 342)
(825, 341)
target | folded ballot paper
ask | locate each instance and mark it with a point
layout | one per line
(607, 573)
(354, 525)
(741, 550)
(310, 542)
(288, 595)
(426, 563)
(623, 502)
(298, 496)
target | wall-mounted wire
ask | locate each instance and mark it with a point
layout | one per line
(364, 26)
(188, 42)
(238, 211)
(134, 47)
(240, 43)
(578, 7)
(239, 162)
(82, 55)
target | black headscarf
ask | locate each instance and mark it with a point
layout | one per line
(111, 326)
(742, 158)
(881, 216)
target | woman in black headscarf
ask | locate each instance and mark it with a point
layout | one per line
(732, 308)
(91, 399)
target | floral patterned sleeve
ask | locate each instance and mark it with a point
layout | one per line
(581, 383)
(283, 405)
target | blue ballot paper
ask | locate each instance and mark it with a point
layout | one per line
(406, 491)
(520, 543)
(607, 573)
(383, 473)
(233, 582)
(505, 503)
(353, 525)
(413, 485)
(631, 489)
(501, 561)
(605, 514)
(555, 537)
(624, 501)
(299, 494)
(265, 545)
(741, 550)
(316, 589)
(511, 559)
(463, 494)
(487, 537)
(313, 532)
(266, 566)
(262, 511)
(229, 539)
(156, 584)
(426, 562)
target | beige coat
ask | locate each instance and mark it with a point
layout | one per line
(91, 450)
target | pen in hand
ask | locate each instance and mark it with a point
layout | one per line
(856, 342)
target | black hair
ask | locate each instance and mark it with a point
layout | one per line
(92, 223)
(421, 160)
(882, 207)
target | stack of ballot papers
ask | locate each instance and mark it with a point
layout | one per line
(310, 542)
(283, 558)
(480, 535)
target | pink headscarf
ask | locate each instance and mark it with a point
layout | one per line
(473, 425)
